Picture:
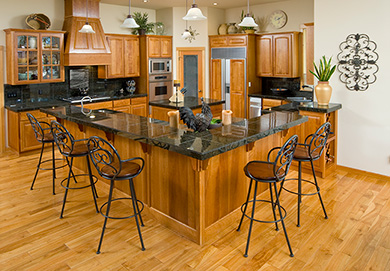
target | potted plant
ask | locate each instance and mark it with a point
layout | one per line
(323, 73)
(142, 20)
(247, 29)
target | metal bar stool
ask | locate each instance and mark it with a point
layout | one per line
(71, 148)
(271, 173)
(310, 151)
(44, 136)
(111, 167)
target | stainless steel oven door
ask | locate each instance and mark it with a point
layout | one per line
(160, 90)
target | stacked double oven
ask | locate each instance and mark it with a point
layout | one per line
(160, 79)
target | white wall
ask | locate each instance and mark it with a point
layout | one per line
(364, 120)
(298, 12)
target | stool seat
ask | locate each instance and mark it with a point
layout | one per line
(129, 169)
(80, 148)
(46, 138)
(263, 171)
(302, 152)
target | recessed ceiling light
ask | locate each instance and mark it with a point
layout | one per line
(145, 1)
(215, 3)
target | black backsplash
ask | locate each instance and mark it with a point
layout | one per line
(38, 92)
(292, 85)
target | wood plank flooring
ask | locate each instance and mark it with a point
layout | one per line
(32, 237)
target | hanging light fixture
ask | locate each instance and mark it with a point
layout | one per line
(194, 14)
(186, 34)
(248, 20)
(86, 28)
(129, 22)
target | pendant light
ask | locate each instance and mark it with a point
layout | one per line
(129, 22)
(248, 21)
(186, 33)
(87, 28)
(194, 14)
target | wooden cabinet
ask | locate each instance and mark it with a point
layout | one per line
(101, 105)
(268, 103)
(228, 40)
(21, 136)
(277, 55)
(215, 79)
(237, 87)
(139, 106)
(159, 46)
(125, 57)
(34, 56)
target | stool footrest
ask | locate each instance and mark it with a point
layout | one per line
(302, 194)
(51, 160)
(95, 179)
(123, 217)
(265, 221)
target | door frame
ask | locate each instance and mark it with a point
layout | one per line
(200, 52)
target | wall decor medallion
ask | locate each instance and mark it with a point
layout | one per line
(357, 62)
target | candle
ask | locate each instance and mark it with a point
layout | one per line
(227, 117)
(173, 118)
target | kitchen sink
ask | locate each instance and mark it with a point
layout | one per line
(77, 99)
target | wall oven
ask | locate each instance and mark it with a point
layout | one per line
(160, 86)
(160, 65)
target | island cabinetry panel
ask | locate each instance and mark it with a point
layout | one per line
(21, 136)
(125, 57)
(159, 46)
(34, 56)
(278, 55)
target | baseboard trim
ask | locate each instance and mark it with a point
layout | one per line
(359, 171)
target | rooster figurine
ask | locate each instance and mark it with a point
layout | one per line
(200, 122)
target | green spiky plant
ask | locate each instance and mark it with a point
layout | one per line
(324, 71)
(142, 20)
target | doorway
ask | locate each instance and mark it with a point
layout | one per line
(190, 70)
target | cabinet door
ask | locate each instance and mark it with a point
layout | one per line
(154, 47)
(237, 87)
(27, 58)
(264, 55)
(282, 55)
(216, 84)
(218, 41)
(116, 68)
(101, 105)
(166, 47)
(237, 41)
(131, 56)
(139, 109)
(28, 140)
(52, 68)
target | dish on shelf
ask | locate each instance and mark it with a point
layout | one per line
(38, 21)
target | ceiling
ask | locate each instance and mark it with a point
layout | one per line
(159, 4)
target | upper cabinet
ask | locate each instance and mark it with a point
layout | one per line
(277, 55)
(159, 46)
(125, 57)
(34, 56)
(228, 41)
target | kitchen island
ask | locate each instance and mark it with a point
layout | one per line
(193, 183)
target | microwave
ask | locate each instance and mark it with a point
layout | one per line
(160, 65)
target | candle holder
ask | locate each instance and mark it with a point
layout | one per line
(177, 97)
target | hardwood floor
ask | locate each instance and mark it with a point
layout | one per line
(32, 237)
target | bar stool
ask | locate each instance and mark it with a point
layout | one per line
(310, 151)
(44, 136)
(271, 173)
(111, 167)
(71, 148)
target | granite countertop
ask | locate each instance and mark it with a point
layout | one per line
(34, 104)
(307, 106)
(283, 96)
(190, 102)
(199, 145)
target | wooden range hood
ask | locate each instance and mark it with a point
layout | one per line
(80, 48)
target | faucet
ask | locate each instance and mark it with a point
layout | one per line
(85, 98)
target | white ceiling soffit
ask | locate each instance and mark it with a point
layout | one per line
(160, 4)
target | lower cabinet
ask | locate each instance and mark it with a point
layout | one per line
(21, 136)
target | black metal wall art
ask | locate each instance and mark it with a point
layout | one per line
(357, 62)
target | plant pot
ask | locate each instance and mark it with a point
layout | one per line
(323, 92)
(249, 31)
(141, 32)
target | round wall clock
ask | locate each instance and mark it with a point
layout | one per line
(278, 19)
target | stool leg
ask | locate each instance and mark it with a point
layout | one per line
(67, 185)
(54, 167)
(251, 223)
(93, 189)
(246, 205)
(318, 189)
(299, 193)
(106, 217)
(133, 198)
(273, 206)
(39, 164)
(282, 220)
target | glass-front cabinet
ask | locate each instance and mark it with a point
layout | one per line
(34, 56)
